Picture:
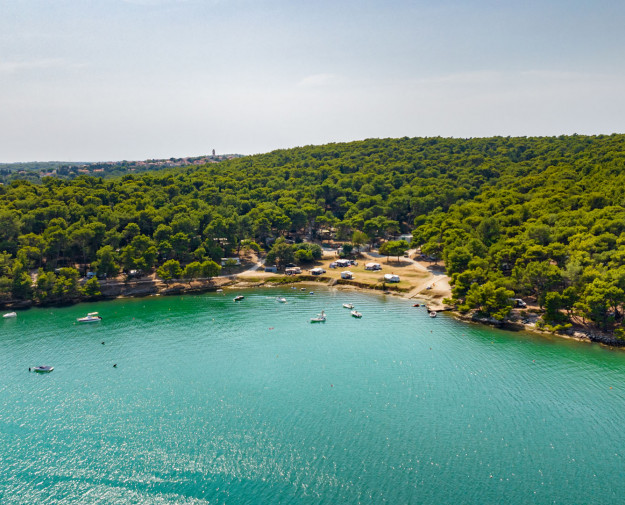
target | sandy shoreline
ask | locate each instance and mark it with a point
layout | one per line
(419, 280)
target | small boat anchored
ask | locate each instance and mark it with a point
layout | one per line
(238, 298)
(280, 299)
(91, 317)
(320, 318)
(348, 305)
(432, 314)
(9, 315)
(356, 314)
(43, 369)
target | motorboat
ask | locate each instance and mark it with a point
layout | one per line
(91, 317)
(348, 305)
(43, 369)
(320, 318)
(9, 315)
(432, 314)
(280, 299)
(356, 314)
(238, 298)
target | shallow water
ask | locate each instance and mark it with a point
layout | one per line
(216, 402)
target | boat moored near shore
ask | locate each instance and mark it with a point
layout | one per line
(91, 317)
(319, 318)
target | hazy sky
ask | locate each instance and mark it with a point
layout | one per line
(136, 79)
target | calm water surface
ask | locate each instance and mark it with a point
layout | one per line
(216, 402)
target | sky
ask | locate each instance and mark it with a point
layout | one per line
(97, 80)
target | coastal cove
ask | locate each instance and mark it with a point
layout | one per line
(214, 401)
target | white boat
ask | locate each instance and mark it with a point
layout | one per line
(348, 305)
(43, 369)
(91, 317)
(432, 314)
(357, 314)
(280, 299)
(10, 314)
(238, 298)
(320, 318)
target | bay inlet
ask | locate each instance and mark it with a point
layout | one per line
(217, 402)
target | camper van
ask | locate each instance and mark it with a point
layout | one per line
(391, 278)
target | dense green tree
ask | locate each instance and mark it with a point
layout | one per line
(359, 239)
(210, 269)
(280, 254)
(92, 288)
(22, 283)
(44, 285)
(394, 248)
(180, 246)
(6, 287)
(554, 303)
(66, 286)
(169, 270)
(106, 265)
(163, 232)
(599, 302)
(192, 271)
(303, 256)
(315, 251)
(489, 300)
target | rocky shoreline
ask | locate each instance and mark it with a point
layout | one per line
(577, 332)
(130, 289)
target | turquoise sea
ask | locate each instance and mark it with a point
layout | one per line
(217, 402)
